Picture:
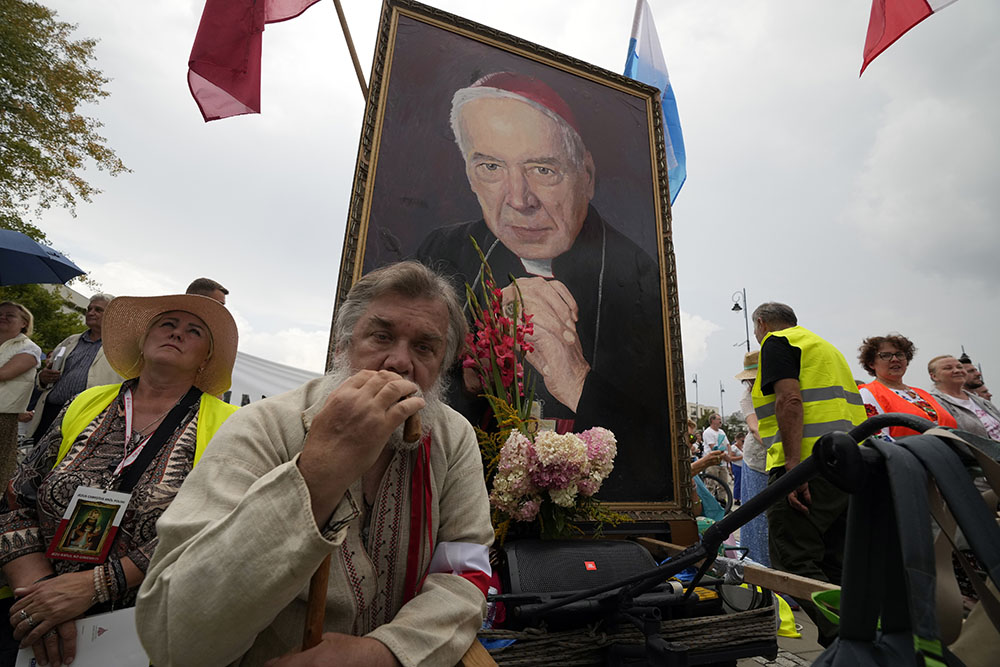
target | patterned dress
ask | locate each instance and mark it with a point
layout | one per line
(38, 495)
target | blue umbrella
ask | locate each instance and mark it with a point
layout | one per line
(24, 261)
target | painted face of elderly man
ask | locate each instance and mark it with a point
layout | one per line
(530, 172)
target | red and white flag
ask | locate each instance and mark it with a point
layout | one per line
(224, 68)
(891, 19)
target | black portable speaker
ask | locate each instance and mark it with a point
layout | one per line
(568, 566)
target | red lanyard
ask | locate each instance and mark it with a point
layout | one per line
(128, 458)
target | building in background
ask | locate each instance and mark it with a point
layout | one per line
(695, 411)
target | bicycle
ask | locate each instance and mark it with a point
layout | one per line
(719, 490)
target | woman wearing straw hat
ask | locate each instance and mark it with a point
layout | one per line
(19, 357)
(754, 534)
(114, 447)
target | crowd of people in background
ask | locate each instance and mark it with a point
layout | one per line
(794, 362)
(957, 398)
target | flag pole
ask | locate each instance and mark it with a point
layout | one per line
(316, 602)
(635, 19)
(350, 47)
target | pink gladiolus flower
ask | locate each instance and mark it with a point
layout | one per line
(507, 364)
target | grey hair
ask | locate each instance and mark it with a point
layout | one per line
(410, 279)
(773, 313)
(571, 139)
(100, 296)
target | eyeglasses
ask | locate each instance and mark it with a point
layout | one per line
(888, 356)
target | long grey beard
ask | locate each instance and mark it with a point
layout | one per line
(341, 370)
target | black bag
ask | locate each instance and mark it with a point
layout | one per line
(888, 613)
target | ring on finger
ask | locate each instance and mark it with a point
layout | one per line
(23, 615)
(51, 634)
(31, 621)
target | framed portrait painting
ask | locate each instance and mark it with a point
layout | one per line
(556, 168)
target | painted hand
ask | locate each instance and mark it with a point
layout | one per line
(558, 355)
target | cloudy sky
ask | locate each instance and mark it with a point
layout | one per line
(867, 204)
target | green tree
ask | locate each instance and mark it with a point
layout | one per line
(704, 420)
(734, 425)
(52, 323)
(45, 142)
(731, 425)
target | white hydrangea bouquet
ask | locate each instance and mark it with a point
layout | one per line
(552, 478)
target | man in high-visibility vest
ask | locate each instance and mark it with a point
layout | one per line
(804, 389)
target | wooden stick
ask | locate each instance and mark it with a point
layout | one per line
(477, 656)
(350, 47)
(782, 582)
(316, 606)
(412, 428)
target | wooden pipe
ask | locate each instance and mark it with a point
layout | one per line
(316, 604)
(412, 428)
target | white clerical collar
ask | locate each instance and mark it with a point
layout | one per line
(538, 267)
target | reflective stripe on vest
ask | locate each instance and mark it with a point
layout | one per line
(818, 394)
(830, 397)
(90, 403)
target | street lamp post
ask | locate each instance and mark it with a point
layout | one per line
(697, 409)
(737, 308)
(722, 404)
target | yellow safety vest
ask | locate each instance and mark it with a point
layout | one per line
(90, 403)
(830, 397)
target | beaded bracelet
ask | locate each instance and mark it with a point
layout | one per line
(105, 593)
(100, 588)
(120, 583)
(107, 581)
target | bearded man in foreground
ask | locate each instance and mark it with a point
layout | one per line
(323, 469)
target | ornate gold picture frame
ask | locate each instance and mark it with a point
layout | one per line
(412, 185)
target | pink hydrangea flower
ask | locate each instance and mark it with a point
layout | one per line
(554, 467)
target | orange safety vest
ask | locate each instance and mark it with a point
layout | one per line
(893, 402)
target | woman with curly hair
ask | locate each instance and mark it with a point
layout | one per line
(887, 358)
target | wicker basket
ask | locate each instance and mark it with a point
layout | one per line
(588, 646)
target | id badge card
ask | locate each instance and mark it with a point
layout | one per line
(88, 527)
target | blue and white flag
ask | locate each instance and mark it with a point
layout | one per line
(645, 63)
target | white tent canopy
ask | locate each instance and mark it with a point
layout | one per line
(257, 378)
